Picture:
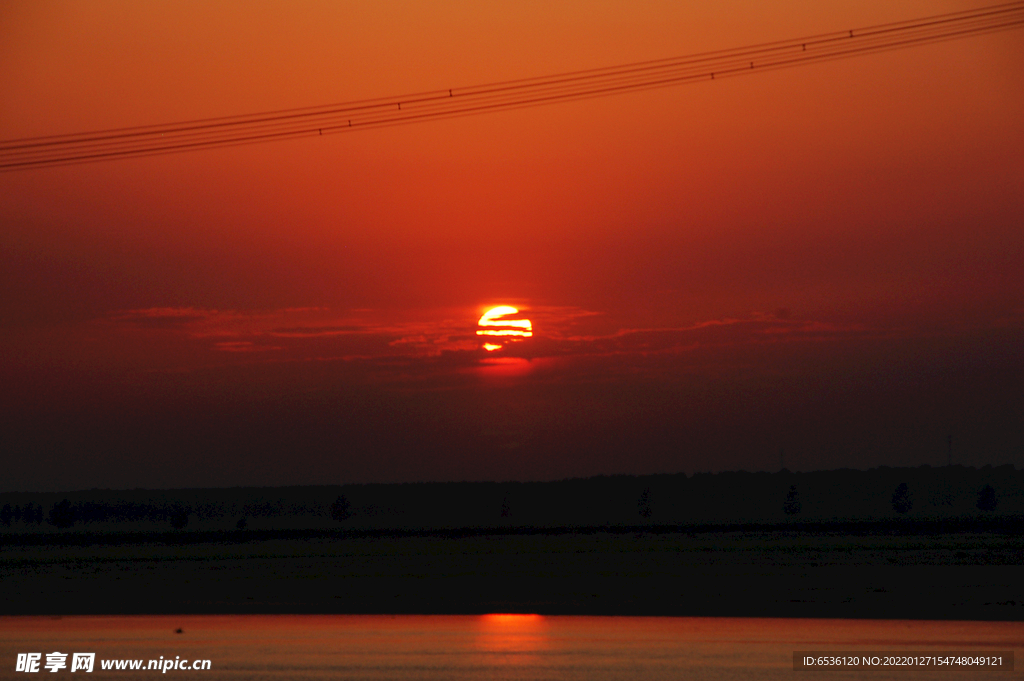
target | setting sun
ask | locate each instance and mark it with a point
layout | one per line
(771, 407)
(494, 323)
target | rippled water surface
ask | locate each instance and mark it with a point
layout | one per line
(490, 646)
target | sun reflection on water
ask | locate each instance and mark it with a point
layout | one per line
(509, 638)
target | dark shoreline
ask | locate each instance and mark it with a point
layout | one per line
(853, 528)
(843, 544)
(901, 569)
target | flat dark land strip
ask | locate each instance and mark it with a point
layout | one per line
(1012, 525)
(883, 574)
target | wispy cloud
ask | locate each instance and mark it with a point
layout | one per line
(244, 346)
(402, 344)
(754, 329)
(314, 331)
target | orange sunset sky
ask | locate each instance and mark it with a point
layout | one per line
(826, 260)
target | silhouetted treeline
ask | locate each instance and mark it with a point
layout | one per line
(151, 507)
(29, 514)
(731, 497)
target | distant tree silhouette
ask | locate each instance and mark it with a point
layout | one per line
(901, 498)
(792, 503)
(644, 503)
(62, 514)
(340, 509)
(179, 517)
(987, 498)
(6, 514)
(242, 523)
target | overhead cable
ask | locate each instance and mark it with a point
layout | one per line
(35, 152)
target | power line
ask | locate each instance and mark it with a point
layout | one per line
(148, 140)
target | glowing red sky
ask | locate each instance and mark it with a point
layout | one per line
(828, 259)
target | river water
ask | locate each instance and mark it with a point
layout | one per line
(494, 647)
